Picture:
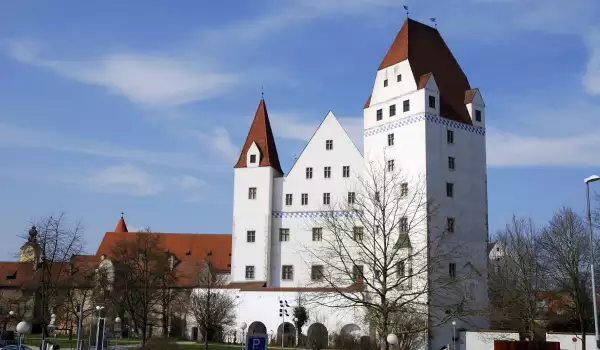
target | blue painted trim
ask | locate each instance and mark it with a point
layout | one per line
(422, 117)
(310, 214)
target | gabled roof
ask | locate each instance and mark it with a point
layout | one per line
(426, 51)
(261, 133)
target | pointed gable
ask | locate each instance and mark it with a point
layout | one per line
(427, 52)
(121, 226)
(261, 134)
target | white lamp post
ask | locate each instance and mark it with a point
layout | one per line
(11, 313)
(587, 181)
(453, 335)
(117, 326)
(22, 328)
(392, 339)
(243, 326)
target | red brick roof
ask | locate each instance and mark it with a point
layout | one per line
(261, 133)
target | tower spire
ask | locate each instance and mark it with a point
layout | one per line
(121, 226)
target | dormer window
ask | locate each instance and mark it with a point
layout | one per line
(477, 115)
(431, 101)
(385, 83)
(253, 158)
(329, 145)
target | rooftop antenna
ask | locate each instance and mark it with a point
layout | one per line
(406, 9)
(432, 19)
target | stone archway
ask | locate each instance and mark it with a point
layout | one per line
(317, 336)
(286, 334)
(257, 327)
(349, 329)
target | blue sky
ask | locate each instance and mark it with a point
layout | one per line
(142, 107)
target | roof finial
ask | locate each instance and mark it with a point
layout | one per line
(122, 214)
(432, 19)
(406, 9)
(262, 92)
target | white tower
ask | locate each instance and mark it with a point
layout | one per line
(424, 116)
(257, 165)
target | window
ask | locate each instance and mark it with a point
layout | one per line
(449, 189)
(377, 274)
(249, 272)
(357, 273)
(288, 199)
(392, 110)
(450, 136)
(317, 234)
(452, 270)
(431, 101)
(399, 77)
(401, 269)
(252, 193)
(253, 158)
(477, 115)
(450, 225)
(451, 163)
(385, 83)
(406, 105)
(316, 273)
(309, 173)
(287, 272)
(404, 225)
(251, 236)
(379, 114)
(326, 198)
(351, 197)
(284, 234)
(377, 196)
(404, 189)
(390, 165)
(346, 171)
(358, 233)
(304, 199)
(327, 172)
(390, 139)
(329, 145)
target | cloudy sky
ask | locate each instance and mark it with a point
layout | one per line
(142, 106)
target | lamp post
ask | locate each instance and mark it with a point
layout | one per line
(22, 328)
(587, 181)
(453, 335)
(392, 339)
(243, 328)
(295, 319)
(117, 330)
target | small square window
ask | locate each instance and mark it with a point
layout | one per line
(304, 199)
(450, 225)
(390, 165)
(404, 225)
(250, 236)
(346, 171)
(357, 273)
(326, 198)
(287, 272)
(288, 199)
(317, 234)
(351, 197)
(379, 114)
(450, 136)
(390, 139)
(358, 233)
(316, 273)
(284, 234)
(404, 189)
(477, 115)
(449, 189)
(249, 272)
(406, 105)
(452, 270)
(451, 163)
(385, 83)
(392, 110)
(327, 172)
(431, 101)
(309, 173)
(399, 77)
(253, 158)
(329, 145)
(252, 193)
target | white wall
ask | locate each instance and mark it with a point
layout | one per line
(482, 340)
(567, 343)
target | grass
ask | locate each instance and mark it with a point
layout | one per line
(66, 343)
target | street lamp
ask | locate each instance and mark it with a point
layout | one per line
(22, 328)
(243, 326)
(392, 339)
(587, 181)
(453, 335)
(117, 329)
(11, 313)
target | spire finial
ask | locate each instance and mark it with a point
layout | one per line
(122, 214)
(262, 92)
(406, 9)
(432, 19)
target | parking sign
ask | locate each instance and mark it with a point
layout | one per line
(256, 342)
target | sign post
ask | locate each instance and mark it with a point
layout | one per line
(256, 342)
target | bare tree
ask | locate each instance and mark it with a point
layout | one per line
(566, 253)
(212, 307)
(517, 278)
(380, 239)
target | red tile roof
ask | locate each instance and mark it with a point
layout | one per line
(261, 133)
(121, 226)
(14, 274)
(470, 94)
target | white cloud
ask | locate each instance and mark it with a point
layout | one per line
(189, 182)
(155, 80)
(591, 79)
(124, 180)
(219, 140)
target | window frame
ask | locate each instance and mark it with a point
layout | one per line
(284, 234)
(251, 233)
(252, 193)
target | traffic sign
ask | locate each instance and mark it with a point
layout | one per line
(256, 342)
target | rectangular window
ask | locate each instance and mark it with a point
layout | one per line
(358, 233)
(351, 197)
(288, 199)
(251, 236)
(357, 273)
(252, 193)
(284, 234)
(316, 273)
(404, 189)
(346, 171)
(385, 83)
(390, 139)
(377, 197)
(309, 173)
(304, 199)
(379, 114)
(390, 165)
(327, 172)
(317, 234)
(477, 115)
(287, 272)
(401, 267)
(452, 270)
(450, 136)
(450, 225)
(392, 110)
(377, 274)
(329, 145)
(449, 189)
(253, 158)
(326, 198)
(431, 101)
(451, 163)
(406, 105)
(404, 225)
(249, 272)
(399, 77)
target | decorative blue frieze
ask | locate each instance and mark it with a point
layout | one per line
(311, 214)
(419, 118)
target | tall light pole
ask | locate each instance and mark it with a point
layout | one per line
(453, 335)
(592, 178)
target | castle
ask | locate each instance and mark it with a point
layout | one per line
(423, 117)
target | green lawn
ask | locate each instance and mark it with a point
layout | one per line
(64, 341)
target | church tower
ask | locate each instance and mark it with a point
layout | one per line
(254, 172)
(424, 118)
(30, 251)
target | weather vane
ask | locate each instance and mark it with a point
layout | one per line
(406, 9)
(432, 19)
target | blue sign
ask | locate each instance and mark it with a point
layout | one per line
(256, 342)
